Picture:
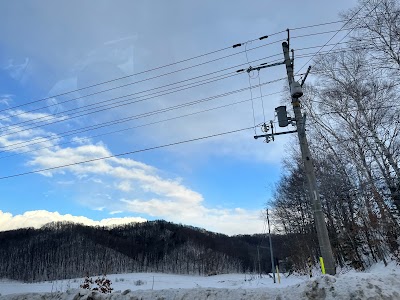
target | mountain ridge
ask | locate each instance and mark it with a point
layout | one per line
(61, 250)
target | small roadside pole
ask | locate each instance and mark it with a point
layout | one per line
(270, 248)
(309, 264)
(277, 273)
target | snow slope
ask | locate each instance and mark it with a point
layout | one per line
(377, 283)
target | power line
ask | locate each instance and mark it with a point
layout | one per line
(304, 55)
(358, 110)
(347, 22)
(119, 105)
(327, 23)
(50, 117)
(171, 64)
(119, 130)
(319, 33)
(128, 101)
(377, 65)
(352, 110)
(312, 47)
(127, 119)
(128, 84)
(344, 49)
(149, 70)
(316, 25)
(33, 121)
(125, 153)
(107, 133)
(158, 76)
(312, 54)
(143, 80)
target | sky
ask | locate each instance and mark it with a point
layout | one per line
(82, 80)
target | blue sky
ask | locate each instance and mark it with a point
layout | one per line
(49, 48)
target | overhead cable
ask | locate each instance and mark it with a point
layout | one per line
(125, 153)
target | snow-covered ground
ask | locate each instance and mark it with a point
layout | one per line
(379, 282)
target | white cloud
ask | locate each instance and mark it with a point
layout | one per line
(140, 187)
(6, 99)
(81, 140)
(22, 137)
(228, 221)
(224, 221)
(132, 173)
(142, 190)
(124, 186)
(38, 218)
(37, 117)
(17, 70)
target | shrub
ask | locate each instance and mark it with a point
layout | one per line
(103, 284)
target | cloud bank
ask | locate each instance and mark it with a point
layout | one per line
(38, 218)
(113, 185)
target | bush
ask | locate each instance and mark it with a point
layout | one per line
(139, 282)
(103, 284)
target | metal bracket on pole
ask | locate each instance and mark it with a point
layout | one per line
(302, 126)
(305, 76)
(288, 37)
(292, 61)
(262, 66)
(269, 135)
(272, 129)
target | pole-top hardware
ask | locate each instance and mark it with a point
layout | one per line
(305, 76)
(288, 37)
(250, 68)
(264, 128)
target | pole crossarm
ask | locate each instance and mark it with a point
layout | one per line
(272, 134)
(305, 76)
(262, 66)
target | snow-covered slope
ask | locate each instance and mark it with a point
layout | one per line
(377, 283)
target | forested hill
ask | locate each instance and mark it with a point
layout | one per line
(66, 250)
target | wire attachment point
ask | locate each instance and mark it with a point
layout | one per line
(264, 128)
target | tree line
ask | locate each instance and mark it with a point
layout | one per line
(65, 250)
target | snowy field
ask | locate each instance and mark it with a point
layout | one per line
(377, 283)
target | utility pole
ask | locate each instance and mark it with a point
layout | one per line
(322, 232)
(270, 248)
(298, 120)
(259, 263)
